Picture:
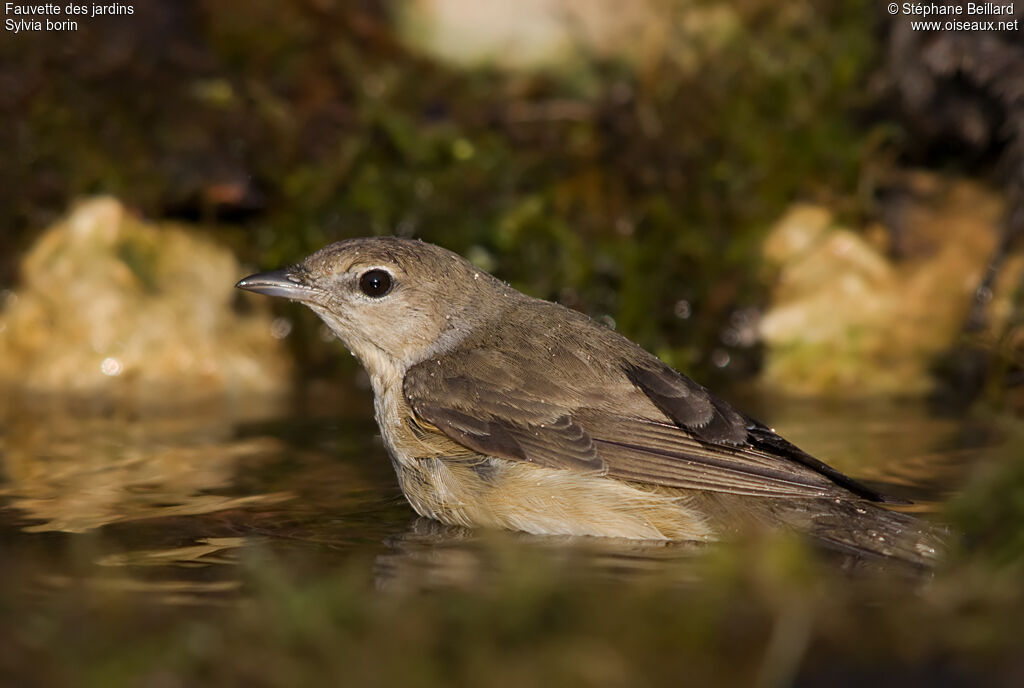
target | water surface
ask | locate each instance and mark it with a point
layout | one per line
(169, 498)
(145, 546)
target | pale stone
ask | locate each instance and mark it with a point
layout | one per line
(549, 34)
(845, 319)
(109, 304)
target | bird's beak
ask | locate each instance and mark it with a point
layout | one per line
(285, 283)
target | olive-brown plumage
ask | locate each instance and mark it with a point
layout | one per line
(503, 410)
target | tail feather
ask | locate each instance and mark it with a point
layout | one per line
(852, 526)
(864, 529)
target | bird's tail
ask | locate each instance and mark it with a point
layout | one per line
(855, 527)
(864, 529)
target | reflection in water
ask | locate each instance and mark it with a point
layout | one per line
(168, 498)
(74, 472)
(207, 551)
(431, 555)
(173, 592)
(174, 500)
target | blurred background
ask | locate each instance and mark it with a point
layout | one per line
(813, 208)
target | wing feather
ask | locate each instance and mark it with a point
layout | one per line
(639, 421)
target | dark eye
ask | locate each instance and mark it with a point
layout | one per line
(375, 283)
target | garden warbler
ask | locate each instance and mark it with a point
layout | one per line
(502, 410)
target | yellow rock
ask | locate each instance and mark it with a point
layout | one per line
(846, 319)
(111, 305)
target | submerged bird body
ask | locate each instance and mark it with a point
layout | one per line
(501, 410)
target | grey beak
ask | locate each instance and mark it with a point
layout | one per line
(283, 283)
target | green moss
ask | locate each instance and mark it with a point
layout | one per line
(991, 510)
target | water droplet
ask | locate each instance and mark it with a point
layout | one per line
(280, 328)
(111, 367)
(744, 328)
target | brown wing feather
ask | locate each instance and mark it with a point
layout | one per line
(672, 393)
(689, 404)
(640, 423)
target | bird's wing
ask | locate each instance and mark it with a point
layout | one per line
(640, 422)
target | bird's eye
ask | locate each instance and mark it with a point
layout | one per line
(375, 283)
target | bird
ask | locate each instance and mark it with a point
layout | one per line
(501, 410)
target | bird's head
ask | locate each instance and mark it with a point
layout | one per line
(393, 302)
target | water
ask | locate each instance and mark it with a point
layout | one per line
(167, 499)
(159, 496)
(206, 521)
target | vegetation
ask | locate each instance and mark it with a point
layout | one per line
(622, 188)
